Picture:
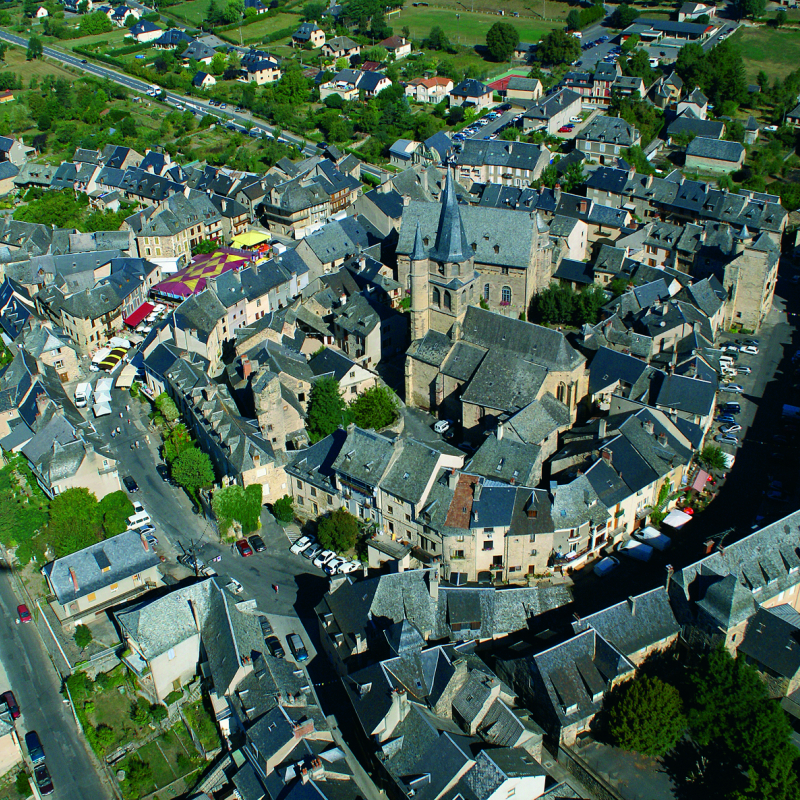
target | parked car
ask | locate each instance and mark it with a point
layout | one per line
(275, 647)
(296, 646)
(257, 543)
(734, 388)
(188, 560)
(243, 546)
(163, 472)
(35, 749)
(575, 119)
(323, 558)
(732, 408)
(334, 565)
(312, 551)
(43, 781)
(606, 565)
(726, 419)
(266, 627)
(564, 129)
(130, 484)
(302, 543)
(11, 704)
(745, 370)
(23, 613)
(750, 349)
(442, 425)
(235, 586)
(350, 566)
(723, 439)
(728, 429)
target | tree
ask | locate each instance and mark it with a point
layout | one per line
(35, 48)
(637, 65)
(29, 7)
(130, 21)
(238, 503)
(630, 43)
(623, 16)
(338, 531)
(326, 409)
(193, 470)
(734, 131)
(558, 47)
(780, 17)
(314, 10)
(74, 521)
(379, 54)
(712, 457)
(283, 509)
(376, 408)
(750, 8)
(83, 636)
(455, 115)
(166, 405)
(114, 510)
(646, 716)
(217, 66)
(138, 775)
(22, 784)
(501, 39)
(574, 20)
(178, 440)
(635, 157)
(437, 40)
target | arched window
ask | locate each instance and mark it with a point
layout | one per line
(486, 291)
(437, 300)
(441, 269)
(426, 241)
(506, 295)
(448, 302)
(561, 394)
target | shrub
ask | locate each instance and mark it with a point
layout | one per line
(283, 509)
(22, 784)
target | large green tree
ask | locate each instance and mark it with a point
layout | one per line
(624, 15)
(501, 39)
(193, 470)
(558, 47)
(35, 48)
(338, 530)
(437, 40)
(375, 408)
(646, 716)
(326, 409)
(74, 521)
(238, 503)
(750, 8)
(113, 511)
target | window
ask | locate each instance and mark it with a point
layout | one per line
(329, 498)
(408, 517)
(506, 294)
(459, 538)
(300, 485)
(314, 506)
(456, 554)
(114, 587)
(436, 298)
(300, 501)
(488, 545)
(486, 291)
(91, 597)
(390, 509)
(313, 492)
(171, 653)
(504, 270)
(391, 527)
(448, 302)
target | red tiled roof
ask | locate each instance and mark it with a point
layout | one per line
(461, 505)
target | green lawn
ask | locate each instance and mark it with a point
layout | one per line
(256, 31)
(195, 10)
(469, 29)
(777, 52)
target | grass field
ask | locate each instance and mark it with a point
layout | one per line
(777, 52)
(469, 29)
(195, 10)
(549, 9)
(256, 31)
(15, 61)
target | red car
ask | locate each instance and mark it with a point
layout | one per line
(244, 548)
(564, 129)
(24, 614)
(11, 704)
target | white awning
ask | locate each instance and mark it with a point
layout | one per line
(126, 377)
(677, 518)
(101, 409)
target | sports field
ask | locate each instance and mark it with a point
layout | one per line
(777, 52)
(464, 27)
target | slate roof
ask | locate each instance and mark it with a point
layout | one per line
(634, 624)
(470, 88)
(611, 130)
(551, 105)
(689, 395)
(506, 460)
(772, 641)
(609, 366)
(411, 470)
(124, 554)
(511, 155)
(707, 128)
(716, 149)
(580, 272)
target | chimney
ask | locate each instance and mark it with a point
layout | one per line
(256, 459)
(433, 584)
(606, 454)
(557, 193)
(632, 605)
(145, 543)
(601, 429)
(662, 439)
(247, 367)
(709, 546)
(74, 579)
(648, 426)
(476, 491)
(670, 573)
(452, 480)
(499, 431)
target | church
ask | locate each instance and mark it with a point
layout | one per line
(470, 363)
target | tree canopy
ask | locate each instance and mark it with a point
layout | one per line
(238, 503)
(501, 39)
(114, 510)
(375, 408)
(283, 509)
(558, 47)
(193, 470)
(562, 305)
(719, 73)
(437, 40)
(646, 716)
(326, 408)
(338, 530)
(624, 15)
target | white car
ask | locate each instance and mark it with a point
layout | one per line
(350, 566)
(323, 558)
(727, 429)
(235, 586)
(335, 565)
(744, 370)
(575, 119)
(442, 425)
(771, 128)
(302, 543)
(731, 387)
(750, 349)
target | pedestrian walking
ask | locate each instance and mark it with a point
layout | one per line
(121, 415)
(127, 408)
(275, 588)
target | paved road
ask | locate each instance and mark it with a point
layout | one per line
(36, 685)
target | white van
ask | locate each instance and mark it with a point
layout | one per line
(83, 393)
(138, 519)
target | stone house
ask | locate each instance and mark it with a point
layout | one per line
(505, 163)
(749, 280)
(341, 47)
(51, 348)
(715, 156)
(429, 90)
(523, 88)
(472, 93)
(552, 112)
(109, 573)
(309, 32)
(398, 46)
(605, 138)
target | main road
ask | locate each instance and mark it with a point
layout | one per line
(238, 121)
(36, 686)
